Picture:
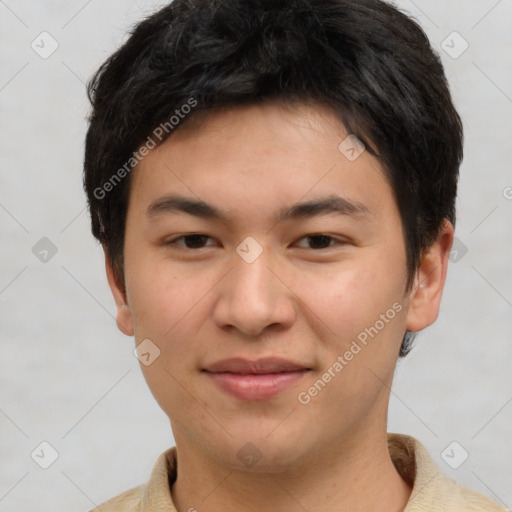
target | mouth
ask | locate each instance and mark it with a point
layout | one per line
(261, 379)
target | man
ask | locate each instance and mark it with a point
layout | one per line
(274, 183)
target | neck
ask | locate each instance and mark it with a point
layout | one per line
(353, 476)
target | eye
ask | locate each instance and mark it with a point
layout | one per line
(321, 241)
(198, 241)
(192, 241)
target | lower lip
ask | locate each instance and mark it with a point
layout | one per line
(256, 387)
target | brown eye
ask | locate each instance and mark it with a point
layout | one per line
(320, 241)
(193, 241)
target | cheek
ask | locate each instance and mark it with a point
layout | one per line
(364, 313)
(354, 297)
(159, 297)
(170, 306)
(167, 310)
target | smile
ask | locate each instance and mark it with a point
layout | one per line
(255, 380)
(255, 387)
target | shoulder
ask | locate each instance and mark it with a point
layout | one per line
(154, 495)
(450, 495)
(128, 501)
(433, 491)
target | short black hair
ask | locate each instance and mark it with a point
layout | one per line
(365, 59)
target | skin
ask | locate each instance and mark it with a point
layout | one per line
(296, 301)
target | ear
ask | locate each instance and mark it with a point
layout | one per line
(123, 313)
(427, 290)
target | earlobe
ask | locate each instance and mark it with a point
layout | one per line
(426, 294)
(123, 313)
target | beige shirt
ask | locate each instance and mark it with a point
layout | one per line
(432, 491)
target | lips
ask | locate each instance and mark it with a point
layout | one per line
(261, 379)
(259, 366)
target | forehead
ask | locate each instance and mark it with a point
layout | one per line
(260, 158)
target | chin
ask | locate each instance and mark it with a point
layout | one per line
(261, 451)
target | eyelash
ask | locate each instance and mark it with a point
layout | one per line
(315, 235)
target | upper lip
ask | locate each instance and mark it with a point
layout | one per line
(258, 366)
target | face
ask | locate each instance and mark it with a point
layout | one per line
(265, 273)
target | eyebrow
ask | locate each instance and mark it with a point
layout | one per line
(332, 204)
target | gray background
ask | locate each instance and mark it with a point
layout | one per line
(68, 377)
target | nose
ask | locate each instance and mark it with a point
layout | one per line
(254, 298)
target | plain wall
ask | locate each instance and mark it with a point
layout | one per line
(69, 377)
